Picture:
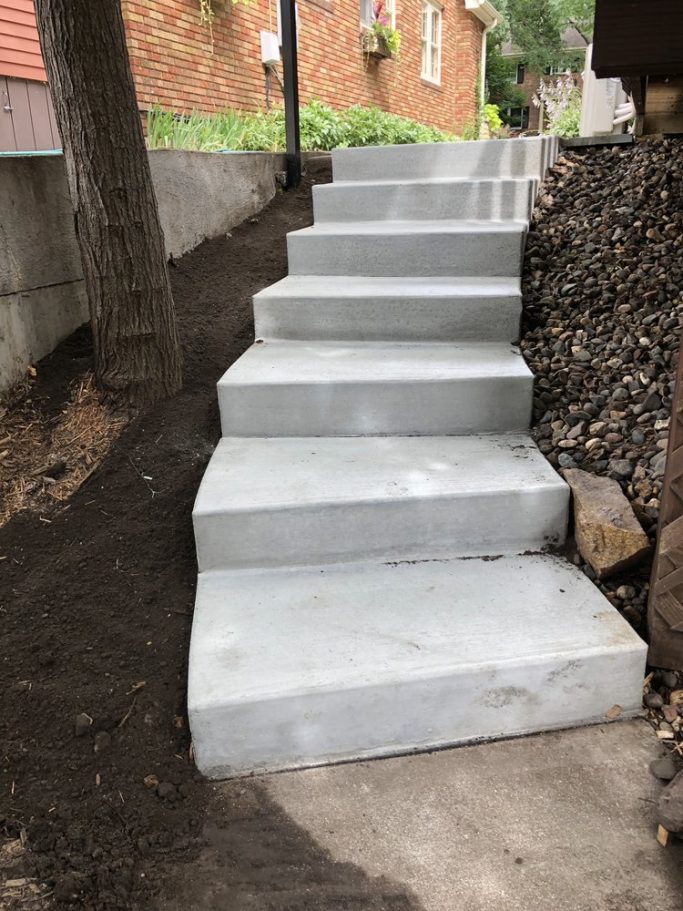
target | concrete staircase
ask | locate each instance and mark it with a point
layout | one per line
(371, 528)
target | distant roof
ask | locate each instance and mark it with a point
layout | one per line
(571, 39)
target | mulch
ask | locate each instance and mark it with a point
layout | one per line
(96, 602)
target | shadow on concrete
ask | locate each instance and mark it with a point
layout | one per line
(256, 858)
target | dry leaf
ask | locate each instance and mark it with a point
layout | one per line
(614, 712)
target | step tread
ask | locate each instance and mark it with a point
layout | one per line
(386, 286)
(320, 362)
(398, 227)
(418, 181)
(248, 474)
(259, 634)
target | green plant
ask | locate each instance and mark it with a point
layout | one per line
(382, 31)
(492, 117)
(561, 99)
(322, 129)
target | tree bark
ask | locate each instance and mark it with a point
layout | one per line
(137, 352)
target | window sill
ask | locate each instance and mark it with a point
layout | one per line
(432, 83)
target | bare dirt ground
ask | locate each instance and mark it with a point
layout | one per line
(101, 805)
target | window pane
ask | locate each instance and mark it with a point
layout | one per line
(366, 16)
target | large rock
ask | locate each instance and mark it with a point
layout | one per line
(608, 535)
(670, 805)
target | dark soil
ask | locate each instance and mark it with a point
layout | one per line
(96, 606)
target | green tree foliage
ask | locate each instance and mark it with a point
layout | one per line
(536, 28)
(500, 73)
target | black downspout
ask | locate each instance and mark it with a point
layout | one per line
(291, 92)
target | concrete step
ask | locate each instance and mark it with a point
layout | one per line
(279, 501)
(480, 159)
(493, 199)
(364, 308)
(410, 248)
(292, 668)
(298, 388)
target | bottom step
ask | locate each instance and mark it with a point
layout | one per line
(292, 668)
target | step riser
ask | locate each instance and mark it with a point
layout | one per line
(383, 530)
(479, 703)
(482, 160)
(420, 254)
(442, 407)
(477, 200)
(489, 319)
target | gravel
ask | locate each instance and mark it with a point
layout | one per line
(603, 301)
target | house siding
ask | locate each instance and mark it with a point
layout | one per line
(19, 46)
(175, 66)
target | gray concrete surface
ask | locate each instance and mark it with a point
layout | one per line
(302, 501)
(408, 248)
(361, 308)
(42, 298)
(395, 658)
(202, 194)
(310, 388)
(528, 157)
(491, 198)
(556, 822)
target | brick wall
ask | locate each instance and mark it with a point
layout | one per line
(175, 67)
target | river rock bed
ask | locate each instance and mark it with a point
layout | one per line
(603, 300)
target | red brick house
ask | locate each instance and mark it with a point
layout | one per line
(529, 116)
(181, 64)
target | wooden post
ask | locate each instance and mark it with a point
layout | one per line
(665, 608)
(291, 92)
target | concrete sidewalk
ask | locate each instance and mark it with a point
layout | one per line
(555, 821)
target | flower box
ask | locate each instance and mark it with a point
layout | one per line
(375, 46)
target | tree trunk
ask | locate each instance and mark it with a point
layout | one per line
(665, 610)
(137, 353)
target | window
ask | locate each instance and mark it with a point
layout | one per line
(556, 70)
(431, 41)
(517, 118)
(387, 11)
(519, 74)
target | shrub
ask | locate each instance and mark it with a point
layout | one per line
(492, 118)
(561, 99)
(322, 129)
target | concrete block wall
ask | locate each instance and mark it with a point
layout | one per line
(176, 66)
(42, 294)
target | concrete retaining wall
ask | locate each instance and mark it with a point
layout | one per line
(42, 294)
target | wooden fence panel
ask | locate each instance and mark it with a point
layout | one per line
(665, 610)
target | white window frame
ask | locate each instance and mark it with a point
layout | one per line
(390, 12)
(429, 41)
(367, 16)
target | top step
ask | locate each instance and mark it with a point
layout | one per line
(529, 157)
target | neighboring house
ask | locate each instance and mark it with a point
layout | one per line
(181, 64)
(528, 117)
(27, 120)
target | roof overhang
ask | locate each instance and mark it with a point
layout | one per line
(483, 10)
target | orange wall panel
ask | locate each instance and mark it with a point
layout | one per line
(19, 46)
